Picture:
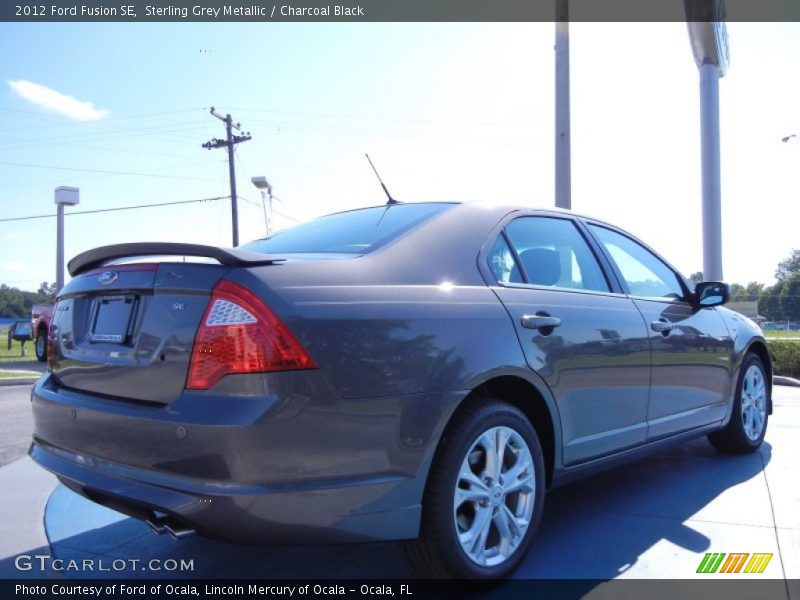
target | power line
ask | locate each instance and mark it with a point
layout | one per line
(105, 172)
(177, 134)
(511, 124)
(72, 179)
(502, 140)
(248, 175)
(103, 210)
(120, 118)
(70, 123)
(123, 150)
(103, 127)
(277, 212)
(285, 216)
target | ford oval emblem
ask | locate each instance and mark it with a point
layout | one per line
(107, 277)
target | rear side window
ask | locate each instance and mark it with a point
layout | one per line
(502, 263)
(352, 232)
(552, 252)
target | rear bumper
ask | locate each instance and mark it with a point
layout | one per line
(293, 464)
(245, 514)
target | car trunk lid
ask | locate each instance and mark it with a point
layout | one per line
(126, 330)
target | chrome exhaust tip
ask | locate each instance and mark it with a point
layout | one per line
(169, 525)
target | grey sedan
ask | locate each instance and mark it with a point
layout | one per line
(419, 372)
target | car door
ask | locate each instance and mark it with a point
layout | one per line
(584, 338)
(691, 348)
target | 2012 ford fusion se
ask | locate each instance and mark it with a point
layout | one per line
(419, 372)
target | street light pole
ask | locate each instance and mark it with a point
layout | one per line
(64, 196)
(265, 188)
(59, 247)
(708, 38)
(710, 166)
(563, 150)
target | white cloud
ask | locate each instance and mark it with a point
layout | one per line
(12, 266)
(79, 110)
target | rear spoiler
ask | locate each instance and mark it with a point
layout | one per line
(233, 257)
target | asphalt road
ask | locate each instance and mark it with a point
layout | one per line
(16, 422)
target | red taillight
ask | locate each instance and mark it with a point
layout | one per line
(239, 334)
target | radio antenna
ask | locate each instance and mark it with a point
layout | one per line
(383, 185)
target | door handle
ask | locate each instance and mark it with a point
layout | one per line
(540, 322)
(662, 326)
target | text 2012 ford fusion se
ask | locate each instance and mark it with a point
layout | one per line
(418, 372)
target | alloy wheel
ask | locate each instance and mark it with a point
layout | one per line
(494, 496)
(754, 402)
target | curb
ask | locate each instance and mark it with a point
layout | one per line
(23, 380)
(781, 380)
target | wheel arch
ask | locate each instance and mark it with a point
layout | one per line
(525, 396)
(533, 399)
(760, 349)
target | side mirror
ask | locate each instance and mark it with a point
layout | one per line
(711, 293)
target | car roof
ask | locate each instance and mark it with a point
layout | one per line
(500, 207)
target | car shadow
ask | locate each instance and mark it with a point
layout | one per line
(599, 528)
(595, 529)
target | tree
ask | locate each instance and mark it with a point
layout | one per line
(18, 303)
(696, 277)
(13, 302)
(769, 304)
(47, 290)
(788, 266)
(754, 290)
(738, 292)
(790, 298)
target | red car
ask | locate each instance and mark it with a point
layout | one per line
(41, 315)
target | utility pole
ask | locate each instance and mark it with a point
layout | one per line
(230, 141)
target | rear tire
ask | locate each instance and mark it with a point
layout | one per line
(747, 427)
(40, 346)
(482, 506)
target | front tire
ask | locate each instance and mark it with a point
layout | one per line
(484, 497)
(747, 427)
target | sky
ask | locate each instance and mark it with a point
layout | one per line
(446, 111)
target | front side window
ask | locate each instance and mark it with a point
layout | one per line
(553, 253)
(645, 274)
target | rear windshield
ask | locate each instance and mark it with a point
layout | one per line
(353, 232)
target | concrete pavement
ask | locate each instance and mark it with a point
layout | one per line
(652, 519)
(16, 422)
(24, 492)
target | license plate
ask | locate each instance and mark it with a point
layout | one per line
(111, 318)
